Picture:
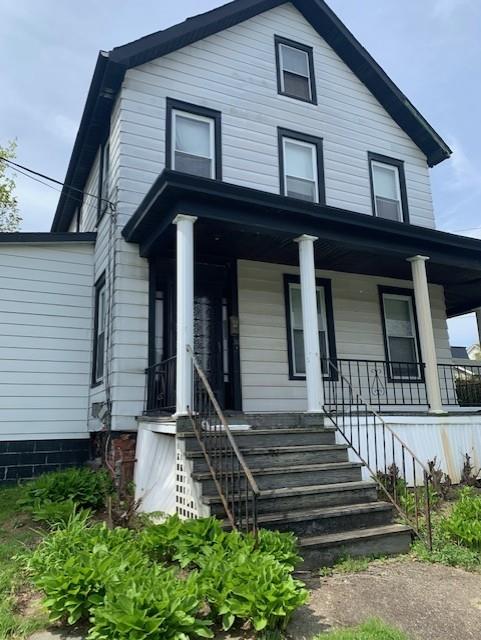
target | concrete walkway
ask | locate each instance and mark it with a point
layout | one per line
(428, 602)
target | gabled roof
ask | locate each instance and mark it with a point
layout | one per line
(111, 67)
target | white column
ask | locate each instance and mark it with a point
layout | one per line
(310, 324)
(185, 310)
(426, 333)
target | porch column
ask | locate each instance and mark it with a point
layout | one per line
(185, 310)
(310, 324)
(426, 333)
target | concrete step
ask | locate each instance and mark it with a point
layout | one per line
(311, 496)
(324, 550)
(272, 437)
(273, 456)
(292, 476)
(316, 522)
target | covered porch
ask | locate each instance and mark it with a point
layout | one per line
(289, 304)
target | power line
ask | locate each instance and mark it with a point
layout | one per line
(18, 168)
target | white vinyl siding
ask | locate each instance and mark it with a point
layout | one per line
(234, 72)
(45, 340)
(357, 323)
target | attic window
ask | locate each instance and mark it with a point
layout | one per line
(295, 70)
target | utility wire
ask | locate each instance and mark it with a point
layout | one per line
(18, 167)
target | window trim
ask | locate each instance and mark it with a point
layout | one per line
(331, 337)
(279, 40)
(318, 146)
(101, 205)
(393, 162)
(407, 293)
(99, 286)
(173, 106)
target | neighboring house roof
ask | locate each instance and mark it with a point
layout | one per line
(111, 67)
(45, 237)
(459, 352)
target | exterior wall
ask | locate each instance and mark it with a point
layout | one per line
(234, 72)
(45, 340)
(263, 335)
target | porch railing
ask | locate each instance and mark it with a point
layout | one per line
(399, 474)
(160, 387)
(233, 479)
(381, 383)
(460, 384)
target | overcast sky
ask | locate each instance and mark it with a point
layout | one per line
(430, 48)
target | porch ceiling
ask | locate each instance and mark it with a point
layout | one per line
(237, 222)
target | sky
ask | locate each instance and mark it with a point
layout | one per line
(430, 48)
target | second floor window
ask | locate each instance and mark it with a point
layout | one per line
(295, 70)
(388, 188)
(300, 161)
(193, 140)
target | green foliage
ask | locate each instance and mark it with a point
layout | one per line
(83, 486)
(73, 566)
(152, 604)
(9, 217)
(463, 525)
(57, 514)
(369, 630)
(282, 546)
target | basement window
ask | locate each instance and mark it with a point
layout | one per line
(295, 70)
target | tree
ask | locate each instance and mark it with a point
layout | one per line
(10, 218)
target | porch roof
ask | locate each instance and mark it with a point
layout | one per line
(239, 222)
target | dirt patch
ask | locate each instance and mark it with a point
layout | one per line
(428, 602)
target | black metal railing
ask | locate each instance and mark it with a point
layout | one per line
(232, 477)
(460, 384)
(160, 387)
(399, 474)
(381, 383)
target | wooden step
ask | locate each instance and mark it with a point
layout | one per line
(291, 476)
(272, 437)
(286, 499)
(324, 550)
(320, 521)
(273, 456)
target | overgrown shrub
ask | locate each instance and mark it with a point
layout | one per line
(57, 514)
(83, 486)
(463, 524)
(151, 604)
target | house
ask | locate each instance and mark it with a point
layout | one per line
(255, 246)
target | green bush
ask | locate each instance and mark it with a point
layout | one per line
(153, 604)
(57, 514)
(463, 525)
(83, 486)
(73, 566)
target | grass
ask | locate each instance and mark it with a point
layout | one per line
(347, 564)
(369, 630)
(447, 552)
(20, 612)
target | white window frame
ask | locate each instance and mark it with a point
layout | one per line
(414, 336)
(322, 312)
(281, 46)
(198, 118)
(395, 170)
(315, 168)
(100, 328)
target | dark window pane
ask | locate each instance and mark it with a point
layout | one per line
(388, 209)
(99, 357)
(301, 189)
(193, 164)
(297, 86)
(402, 354)
(299, 358)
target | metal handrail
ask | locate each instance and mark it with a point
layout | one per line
(232, 477)
(160, 386)
(395, 494)
(460, 383)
